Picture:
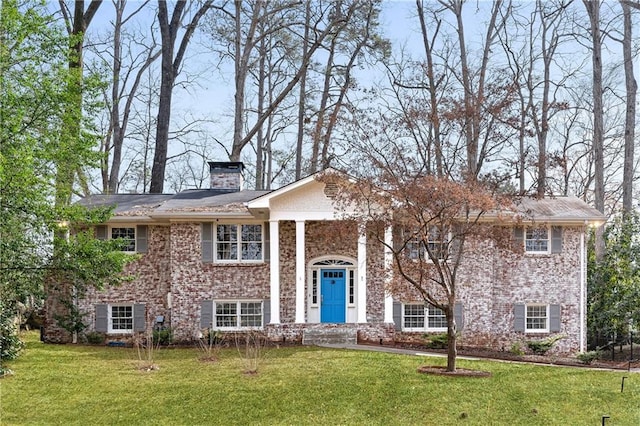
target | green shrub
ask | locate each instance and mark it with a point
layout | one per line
(541, 347)
(588, 357)
(162, 337)
(516, 348)
(10, 343)
(436, 341)
(95, 337)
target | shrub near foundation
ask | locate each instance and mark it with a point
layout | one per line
(541, 347)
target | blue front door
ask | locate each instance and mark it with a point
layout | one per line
(332, 290)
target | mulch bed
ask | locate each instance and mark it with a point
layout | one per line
(618, 364)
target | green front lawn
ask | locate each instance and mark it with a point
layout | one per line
(90, 385)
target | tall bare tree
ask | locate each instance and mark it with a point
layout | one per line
(67, 165)
(128, 55)
(474, 94)
(171, 61)
(345, 49)
(593, 11)
(630, 116)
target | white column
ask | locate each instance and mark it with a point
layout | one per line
(300, 272)
(583, 290)
(388, 263)
(274, 266)
(362, 274)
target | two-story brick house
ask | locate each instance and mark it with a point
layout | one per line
(234, 259)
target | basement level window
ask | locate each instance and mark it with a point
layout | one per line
(537, 318)
(120, 318)
(421, 317)
(238, 314)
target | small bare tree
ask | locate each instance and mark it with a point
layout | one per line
(430, 219)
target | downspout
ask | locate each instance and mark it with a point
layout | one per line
(582, 289)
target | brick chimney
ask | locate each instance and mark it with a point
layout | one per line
(226, 176)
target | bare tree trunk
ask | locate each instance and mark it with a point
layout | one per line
(242, 55)
(116, 128)
(334, 26)
(593, 10)
(66, 165)
(322, 110)
(302, 103)
(473, 99)
(630, 117)
(170, 67)
(433, 86)
(120, 119)
(260, 139)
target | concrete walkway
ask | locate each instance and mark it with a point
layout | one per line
(393, 350)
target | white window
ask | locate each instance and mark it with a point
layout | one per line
(120, 318)
(421, 317)
(352, 287)
(128, 235)
(437, 241)
(238, 242)
(537, 318)
(415, 249)
(536, 240)
(238, 314)
(314, 287)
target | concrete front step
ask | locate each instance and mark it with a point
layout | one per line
(331, 336)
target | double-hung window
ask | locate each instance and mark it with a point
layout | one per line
(436, 243)
(121, 319)
(537, 319)
(437, 240)
(237, 314)
(536, 240)
(128, 237)
(421, 317)
(133, 237)
(239, 242)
